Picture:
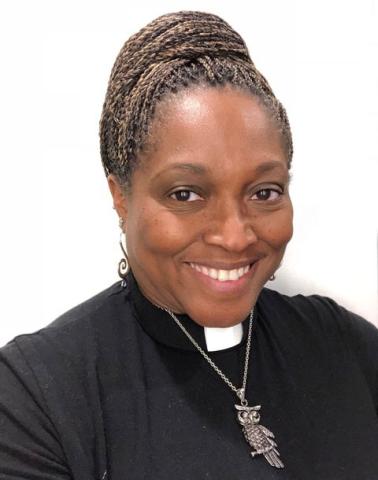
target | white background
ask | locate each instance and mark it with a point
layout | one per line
(59, 234)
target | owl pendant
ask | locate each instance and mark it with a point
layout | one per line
(258, 436)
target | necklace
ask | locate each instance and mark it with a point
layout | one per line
(259, 437)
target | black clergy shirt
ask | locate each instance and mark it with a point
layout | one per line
(113, 390)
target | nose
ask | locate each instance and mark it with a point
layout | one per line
(230, 228)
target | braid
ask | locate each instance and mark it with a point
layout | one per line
(173, 52)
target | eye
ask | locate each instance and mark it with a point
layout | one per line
(185, 195)
(267, 195)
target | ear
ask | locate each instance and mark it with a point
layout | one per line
(119, 196)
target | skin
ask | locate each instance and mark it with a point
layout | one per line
(235, 208)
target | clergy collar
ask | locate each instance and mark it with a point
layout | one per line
(159, 325)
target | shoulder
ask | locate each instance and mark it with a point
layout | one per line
(71, 339)
(50, 403)
(321, 316)
(63, 356)
(320, 311)
(107, 300)
(320, 322)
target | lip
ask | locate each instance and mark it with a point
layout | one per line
(231, 287)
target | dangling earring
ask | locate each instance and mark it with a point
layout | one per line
(123, 265)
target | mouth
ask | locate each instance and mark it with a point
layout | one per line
(223, 275)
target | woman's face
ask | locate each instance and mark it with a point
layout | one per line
(209, 215)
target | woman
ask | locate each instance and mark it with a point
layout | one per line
(189, 367)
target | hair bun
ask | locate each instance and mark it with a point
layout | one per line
(189, 35)
(169, 54)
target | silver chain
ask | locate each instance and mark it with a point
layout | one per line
(217, 369)
(257, 436)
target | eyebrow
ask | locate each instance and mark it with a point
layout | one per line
(201, 170)
(191, 167)
(270, 165)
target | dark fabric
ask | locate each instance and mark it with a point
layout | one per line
(114, 390)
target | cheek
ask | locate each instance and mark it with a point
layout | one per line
(159, 233)
(277, 229)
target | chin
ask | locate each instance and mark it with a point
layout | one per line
(223, 314)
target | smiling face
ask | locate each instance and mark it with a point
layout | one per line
(208, 217)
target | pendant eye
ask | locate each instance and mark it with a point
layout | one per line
(256, 416)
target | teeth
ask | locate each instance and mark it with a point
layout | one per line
(221, 275)
(213, 273)
(233, 275)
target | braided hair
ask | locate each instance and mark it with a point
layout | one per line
(176, 51)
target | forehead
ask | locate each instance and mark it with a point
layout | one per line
(200, 102)
(214, 126)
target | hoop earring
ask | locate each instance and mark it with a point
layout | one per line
(273, 277)
(123, 265)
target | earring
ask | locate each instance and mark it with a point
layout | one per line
(123, 265)
(273, 277)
